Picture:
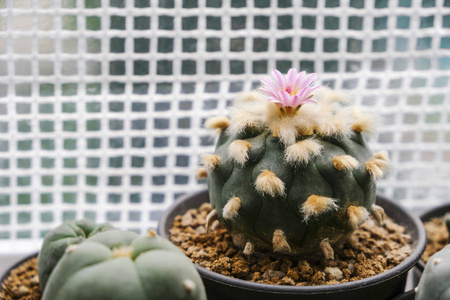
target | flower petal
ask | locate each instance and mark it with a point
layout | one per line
(280, 78)
(291, 76)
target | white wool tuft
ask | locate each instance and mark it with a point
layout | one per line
(357, 215)
(268, 183)
(230, 210)
(302, 151)
(238, 150)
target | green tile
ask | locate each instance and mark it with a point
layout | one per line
(93, 143)
(47, 144)
(4, 181)
(46, 89)
(117, 22)
(69, 216)
(308, 22)
(92, 162)
(70, 180)
(5, 200)
(46, 108)
(23, 217)
(93, 88)
(331, 23)
(93, 45)
(189, 23)
(47, 163)
(25, 145)
(23, 199)
(47, 180)
(70, 163)
(165, 22)
(90, 198)
(90, 215)
(261, 22)
(165, 45)
(69, 107)
(23, 180)
(92, 3)
(91, 180)
(213, 23)
(307, 44)
(23, 163)
(69, 22)
(117, 3)
(380, 23)
(69, 89)
(284, 22)
(189, 45)
(70, 144)
(4, 163)
(93, 23)
(24, 126)
(46, 217)
(141, 23)
(46, 126)
(70, 126)
(116, 162)
(403, 22)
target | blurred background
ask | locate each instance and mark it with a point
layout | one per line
(102, 101)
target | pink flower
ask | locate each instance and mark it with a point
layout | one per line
(293, 89)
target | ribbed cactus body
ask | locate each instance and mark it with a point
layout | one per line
(57, 240)
(434, 283)
(291, 195)
(121, 265)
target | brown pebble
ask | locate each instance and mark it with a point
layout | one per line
(21, 291)
(279, 274)
(187, 219)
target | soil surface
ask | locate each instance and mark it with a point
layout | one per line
(371, 250)
(22, 283)
(437, 236)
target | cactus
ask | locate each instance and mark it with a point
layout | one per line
(121, 265)
(434, 283)
(57, 240)
(294, 174)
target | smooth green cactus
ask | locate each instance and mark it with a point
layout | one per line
(57, 240)
(435, 281)
(292, 180)
(121, 265)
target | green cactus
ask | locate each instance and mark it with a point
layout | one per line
(57, 240)
(121, 265)
(292, 180)
(434, 283)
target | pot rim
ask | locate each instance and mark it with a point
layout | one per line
(405, 266)
(426, 216)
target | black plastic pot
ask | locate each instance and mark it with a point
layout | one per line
(380, 287)
(6, 274)
(436, 212)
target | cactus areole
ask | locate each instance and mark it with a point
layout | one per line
(291, 172)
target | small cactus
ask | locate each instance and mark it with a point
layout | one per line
(121, 265)
(434, 283)
(293, 174)
(57, 240)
